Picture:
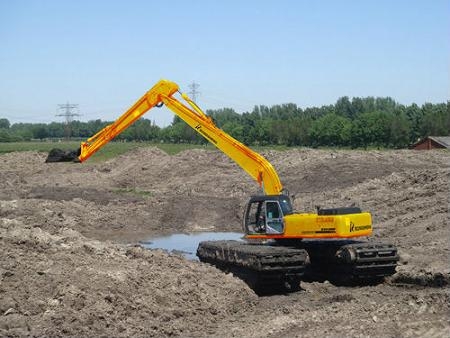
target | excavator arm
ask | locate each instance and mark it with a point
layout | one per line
(149, 100)
(163, 93)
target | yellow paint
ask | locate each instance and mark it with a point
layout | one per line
(315, 226)
(296, 226)
(163, 92)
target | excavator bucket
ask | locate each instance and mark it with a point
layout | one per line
(59, 155)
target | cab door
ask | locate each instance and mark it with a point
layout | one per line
(273, 218)
(254, 218)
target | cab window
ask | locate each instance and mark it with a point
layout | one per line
(255, 219)
(274, 218)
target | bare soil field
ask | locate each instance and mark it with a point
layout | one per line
(71, 266)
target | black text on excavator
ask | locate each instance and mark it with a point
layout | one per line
(283, 247)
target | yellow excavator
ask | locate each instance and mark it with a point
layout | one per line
(282, 247)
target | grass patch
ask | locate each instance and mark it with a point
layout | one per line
(113, 149)
(8, 147)
(110, 150)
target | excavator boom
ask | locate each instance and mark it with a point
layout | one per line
(163, 93)
(149, 100)
(253, 163)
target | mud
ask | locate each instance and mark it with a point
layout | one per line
(70, 265)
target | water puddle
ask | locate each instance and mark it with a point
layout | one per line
(186, 244)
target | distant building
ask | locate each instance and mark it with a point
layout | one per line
(432, 142)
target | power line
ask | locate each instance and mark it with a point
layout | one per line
(68, 113)
(193, 91)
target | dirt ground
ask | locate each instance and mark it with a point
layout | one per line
(70, 265)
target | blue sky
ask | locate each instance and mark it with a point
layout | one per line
(103, 55)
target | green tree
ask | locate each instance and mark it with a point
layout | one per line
(4, 135)
(293, 132)
(39, 131)
(235, 129)
(262, 133)
(223, 116)
(344, 107)
(399, 131)
(358, 106)
(371, 129)
(181, 132)
(414, 115)
(436, 120)
(55, 130)
(385, 104)
(4, 124)
(330, 130)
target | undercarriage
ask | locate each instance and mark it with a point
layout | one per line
(276, 267)
(349, 262)
(265, 268)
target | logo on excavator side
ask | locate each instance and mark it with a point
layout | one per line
(352, 226)
(205, 134)
(359, 227)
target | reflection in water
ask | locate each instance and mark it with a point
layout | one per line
(186, 244)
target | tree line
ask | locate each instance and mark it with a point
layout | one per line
(357, 123)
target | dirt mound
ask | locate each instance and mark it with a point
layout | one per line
(187, 173)
(61, 276)
(424, 279)
(69, 285)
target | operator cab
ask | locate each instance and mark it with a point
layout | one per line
(264, 214)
